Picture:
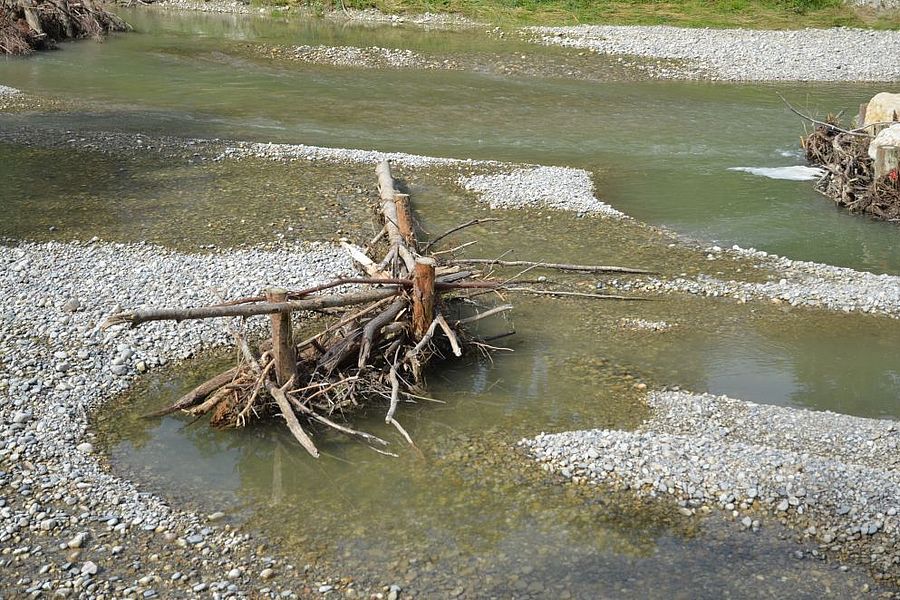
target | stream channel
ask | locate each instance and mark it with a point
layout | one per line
(470, 517)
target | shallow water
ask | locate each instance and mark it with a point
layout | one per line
(661, 150)
(468, 516)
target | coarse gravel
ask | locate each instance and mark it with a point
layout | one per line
(832, 478)
(837, 54)
(57, 366)
(560, 188)
(796, 282)
(5, 90)
(213, 6)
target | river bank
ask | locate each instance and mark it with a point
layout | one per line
(656, 52)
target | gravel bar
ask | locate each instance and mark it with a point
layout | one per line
(832, 478)
(68, 526)
(508, 186)
(837, 54)
(800, 283)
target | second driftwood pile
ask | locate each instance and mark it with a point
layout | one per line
(29, 25)
(407, 309)
(852, 178)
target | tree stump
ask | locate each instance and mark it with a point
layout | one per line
(282, 340)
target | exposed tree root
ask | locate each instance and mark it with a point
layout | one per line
(29, 25)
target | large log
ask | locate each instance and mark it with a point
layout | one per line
(388, 193)
(140, 316)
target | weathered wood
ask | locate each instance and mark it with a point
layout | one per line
(373, 328)
(138, 317)
(198, 393)
(31, 17)
(282, 340)
(887, 158)
(861, 117)
(422, 296)
(290, 418)
(360, 257)
(451, 335)
(388, 195)
(546, 265)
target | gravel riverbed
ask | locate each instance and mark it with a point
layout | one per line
(832, 478)
(68, 526)
(838, 54)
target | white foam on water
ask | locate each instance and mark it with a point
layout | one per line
(795, 173)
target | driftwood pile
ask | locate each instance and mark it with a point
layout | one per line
(29, 25)
(851, 177)
(408, 309)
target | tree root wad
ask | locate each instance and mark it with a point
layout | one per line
(411, 310)
(850, 176)
(28, 25)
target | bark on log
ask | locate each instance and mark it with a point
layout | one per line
(404, 219)
(282, 340)
(198, 393)
(423, 296)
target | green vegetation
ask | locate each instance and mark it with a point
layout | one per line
(769, 14)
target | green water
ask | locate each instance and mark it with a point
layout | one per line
(660, 150)
(467, 516)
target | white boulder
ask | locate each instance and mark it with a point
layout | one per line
(882, 108)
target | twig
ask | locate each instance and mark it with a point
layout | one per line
(857, 132)
(457, 228)
(455, 249)
(546, 265)
(485, 314)
(576, 294)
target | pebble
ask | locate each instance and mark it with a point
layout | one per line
(89, 568)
